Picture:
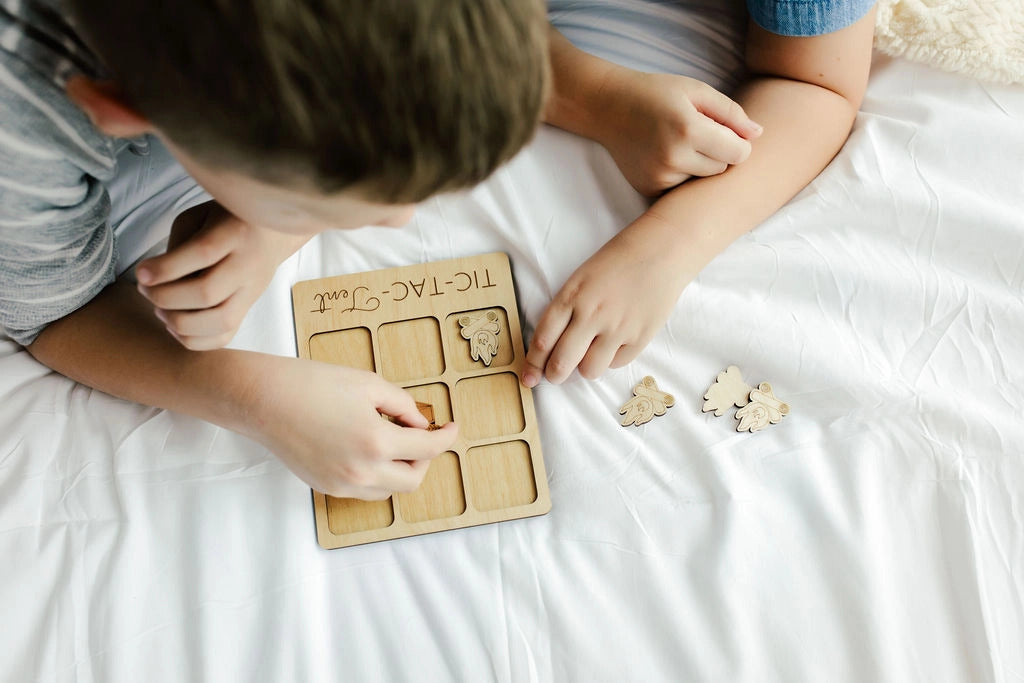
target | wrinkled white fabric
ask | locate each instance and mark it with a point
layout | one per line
(875, 534)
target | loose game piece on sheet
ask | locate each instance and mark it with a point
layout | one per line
(648, 401)
(409, 325)
(728, 390)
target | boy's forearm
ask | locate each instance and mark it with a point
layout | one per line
(116, 345)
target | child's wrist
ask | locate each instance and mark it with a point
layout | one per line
(670, 241)
(585, 90)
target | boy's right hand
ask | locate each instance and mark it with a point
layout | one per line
(662, 129)
(324, 422)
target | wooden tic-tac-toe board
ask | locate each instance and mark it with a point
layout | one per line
(420, 327)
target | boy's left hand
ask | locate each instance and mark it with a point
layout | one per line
(608, 310)
(215, 268)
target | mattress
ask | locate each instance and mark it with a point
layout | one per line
(875, 534)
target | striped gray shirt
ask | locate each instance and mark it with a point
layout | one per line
(56, 246)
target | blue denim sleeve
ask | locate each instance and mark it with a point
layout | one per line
(806, 17)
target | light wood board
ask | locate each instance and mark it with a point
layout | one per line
(403, 323)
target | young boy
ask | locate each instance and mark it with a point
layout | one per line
(250, 101)
(297, 117)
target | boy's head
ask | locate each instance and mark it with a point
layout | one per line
(384, 102)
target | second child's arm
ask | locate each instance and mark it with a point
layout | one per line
(661, 129)
(322, 421)
(806, 93)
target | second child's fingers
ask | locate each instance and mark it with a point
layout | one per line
(701, 165)
(626, 355)
(720, 143)
(599, 357)
(568, 353)
(724, 110)
(549, 330)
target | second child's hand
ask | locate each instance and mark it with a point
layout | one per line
(612, 306)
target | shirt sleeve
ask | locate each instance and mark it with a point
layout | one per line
(806, 17)
(56, 245)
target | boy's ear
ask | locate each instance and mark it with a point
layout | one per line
(101, 102)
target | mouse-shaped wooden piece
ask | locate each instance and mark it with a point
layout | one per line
(648, 400)
(763, 409)
(482, 332)
(728, 390)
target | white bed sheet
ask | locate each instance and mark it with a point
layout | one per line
(875, 534)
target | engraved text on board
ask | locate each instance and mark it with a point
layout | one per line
(361, 298)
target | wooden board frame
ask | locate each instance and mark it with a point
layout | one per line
(403, 324)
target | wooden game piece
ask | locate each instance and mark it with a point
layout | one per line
(728, 390)
(763, 409)
(648, 400)
(427, 411)
(482, 333)
(404, 323)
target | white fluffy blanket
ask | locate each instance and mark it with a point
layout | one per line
(980, 38)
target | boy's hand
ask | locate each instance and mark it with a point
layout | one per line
(662, 129)
(324, 422)
(215, 268)
(608, 310)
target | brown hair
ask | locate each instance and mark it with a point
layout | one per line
(398, 98)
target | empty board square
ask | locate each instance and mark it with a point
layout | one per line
(461, 355)
(489, 406)
(410, 349)
(439, 496)
(500, 476)
(352, 348)
(348, 515)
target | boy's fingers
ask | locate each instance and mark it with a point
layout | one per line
(220, 319)
(409, 443)
(359, 492)
(194, 255)
(397, 403)
(725, 111)
(210, 289)
(207, 343)
(549, 330)
(402, 477)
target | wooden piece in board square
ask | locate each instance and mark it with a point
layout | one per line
(481, 331)
(403, 323)
(427, 411)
